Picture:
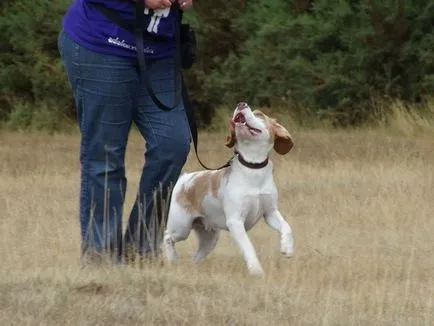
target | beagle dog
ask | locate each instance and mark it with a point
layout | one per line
(233, 198)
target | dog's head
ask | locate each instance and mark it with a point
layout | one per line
(255, 126)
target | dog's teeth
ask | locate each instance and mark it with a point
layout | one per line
(244, 123)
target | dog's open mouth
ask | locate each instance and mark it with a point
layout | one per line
(240, 119)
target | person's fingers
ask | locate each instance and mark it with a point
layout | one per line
(186, 4)
(166, 3)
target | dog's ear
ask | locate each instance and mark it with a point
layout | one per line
(230, 139)
(283, 142)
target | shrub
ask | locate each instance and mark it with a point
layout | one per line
(328, 58)
(30, 67)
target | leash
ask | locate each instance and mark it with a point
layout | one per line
(137, 29)
(193, 130)
(140, 49)
(140, 7)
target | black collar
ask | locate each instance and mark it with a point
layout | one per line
(251, 165)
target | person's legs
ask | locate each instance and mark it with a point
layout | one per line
(167, 136)
(104, 88)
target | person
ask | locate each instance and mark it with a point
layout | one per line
(101, 66)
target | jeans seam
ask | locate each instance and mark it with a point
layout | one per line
(84, 142)
(154, 137)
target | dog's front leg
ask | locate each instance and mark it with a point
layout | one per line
(276, 221)
(239, 234)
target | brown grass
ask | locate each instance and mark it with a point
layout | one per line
(360, 204)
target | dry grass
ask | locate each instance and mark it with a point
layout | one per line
(360, 204)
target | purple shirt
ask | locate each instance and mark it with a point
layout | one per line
(91, 29)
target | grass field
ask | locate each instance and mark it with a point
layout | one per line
(361, 205)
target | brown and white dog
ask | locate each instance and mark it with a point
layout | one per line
(234, 198)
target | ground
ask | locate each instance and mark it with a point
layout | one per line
(360, 204)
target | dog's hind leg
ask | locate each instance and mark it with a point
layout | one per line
(169, 246)
(207, 240)
(178, 229)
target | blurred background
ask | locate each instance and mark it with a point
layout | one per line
(341, 61)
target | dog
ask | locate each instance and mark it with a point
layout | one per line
(233, 198)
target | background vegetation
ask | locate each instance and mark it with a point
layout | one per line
(326, 58)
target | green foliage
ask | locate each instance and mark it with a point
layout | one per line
(331, 56)
(327, 57)
(34, 89)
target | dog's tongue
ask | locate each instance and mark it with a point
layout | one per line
(254, 131)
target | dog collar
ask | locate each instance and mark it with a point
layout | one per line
(251, 165)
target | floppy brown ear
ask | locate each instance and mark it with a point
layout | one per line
(283, 142)
(230, 139)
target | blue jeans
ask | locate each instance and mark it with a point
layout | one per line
(109, 97)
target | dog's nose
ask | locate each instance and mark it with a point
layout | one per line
(242, 106)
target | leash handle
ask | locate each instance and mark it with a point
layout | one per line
(140, 49)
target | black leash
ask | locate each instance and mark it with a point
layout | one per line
(193, 129)
(137, 29)
(140, 49)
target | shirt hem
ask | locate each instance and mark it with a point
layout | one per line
(113, 50)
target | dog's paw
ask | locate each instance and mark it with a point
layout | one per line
(256, 270)
(287, 252)
(169, 252)
(287, 246)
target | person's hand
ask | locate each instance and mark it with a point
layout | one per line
(185, 4)
(158, 4)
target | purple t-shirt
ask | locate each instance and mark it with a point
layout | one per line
(91, 29)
